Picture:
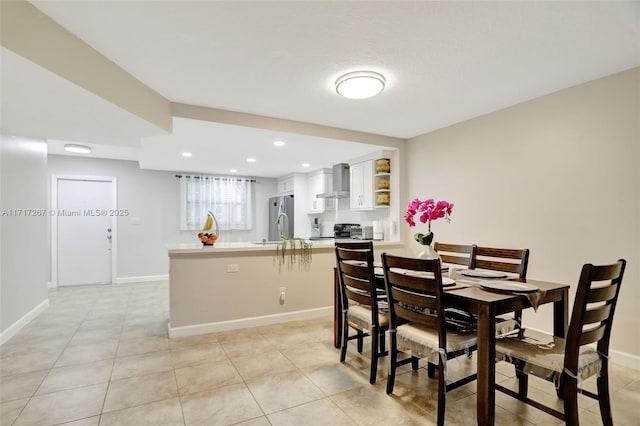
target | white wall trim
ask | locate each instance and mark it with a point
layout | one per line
(54, 223)
(625, 359)
(212, 327)
(141, 279)
(14, 328)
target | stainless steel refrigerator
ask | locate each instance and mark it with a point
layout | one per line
(280, 217)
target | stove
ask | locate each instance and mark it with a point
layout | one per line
(343, 230)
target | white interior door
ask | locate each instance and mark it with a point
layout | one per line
(85, 231)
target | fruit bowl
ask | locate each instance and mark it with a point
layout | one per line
(207, 239)
(211, 224)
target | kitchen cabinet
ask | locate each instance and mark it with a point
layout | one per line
(361, 180)
(382, 183)
(285, 185)
(320, 182)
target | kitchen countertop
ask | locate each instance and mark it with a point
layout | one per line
(227, 247)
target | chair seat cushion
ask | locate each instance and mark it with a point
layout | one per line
(543, 355)
(360, 316)
(423, 341)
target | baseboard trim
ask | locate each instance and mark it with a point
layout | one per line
(14, 328)
(213, 327)
(624, 359)
(140, 279)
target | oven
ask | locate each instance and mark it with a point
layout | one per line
(343, 230)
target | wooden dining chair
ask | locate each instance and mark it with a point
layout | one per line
(417, 321)
(361, 301)
(568, 362)
(456, 254)
(512, 261)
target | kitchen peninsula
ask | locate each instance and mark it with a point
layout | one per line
(236, 285)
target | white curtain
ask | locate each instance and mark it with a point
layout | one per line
(230, 200)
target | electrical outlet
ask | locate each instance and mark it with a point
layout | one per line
(283, 292)
(233, 267)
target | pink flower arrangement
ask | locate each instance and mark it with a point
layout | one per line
(428, 210)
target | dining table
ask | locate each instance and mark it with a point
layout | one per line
(469, 294)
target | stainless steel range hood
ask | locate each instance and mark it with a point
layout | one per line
(340, 187)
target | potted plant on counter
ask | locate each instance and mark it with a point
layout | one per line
(292, 251)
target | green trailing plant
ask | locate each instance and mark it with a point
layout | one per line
(293, 251)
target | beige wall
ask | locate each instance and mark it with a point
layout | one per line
(152, 197)
(24, 250)
(558, 175)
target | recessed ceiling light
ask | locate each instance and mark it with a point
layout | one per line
(233, 170)
(77, 149)
(251, 160)
(278, 143)
(187, 154)
(360, 84)
(305, 164)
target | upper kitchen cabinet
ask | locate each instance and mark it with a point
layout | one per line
(296, 184)
(320, 182)
(286, 185)
(361, 180)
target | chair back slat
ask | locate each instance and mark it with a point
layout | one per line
(497, 266)
(359, 271)
(402, 279)
(593, 290)
(593, 335)
(458, 254)
(602, 294)
(455, 260)
(421, 301)
(358, 297)
(361, 245)
(514, 261)
(357, 283)
(599, 314)
(499, 252)
(606, 272)
(353, 256)
(416, 317)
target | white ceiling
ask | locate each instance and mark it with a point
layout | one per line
(36, 102)
(445, 62)
(216, 148)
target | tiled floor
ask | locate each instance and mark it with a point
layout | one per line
(101, 355)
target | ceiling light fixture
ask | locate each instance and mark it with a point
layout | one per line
(251, 160)
(233, 170)
(77, 149)
(278, 143)
(187, 154)
(360, 84)
(305, 165)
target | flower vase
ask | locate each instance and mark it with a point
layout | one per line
(428, 253)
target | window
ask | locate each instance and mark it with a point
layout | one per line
(230, 200)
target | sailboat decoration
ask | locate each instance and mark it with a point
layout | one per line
(209, 238)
